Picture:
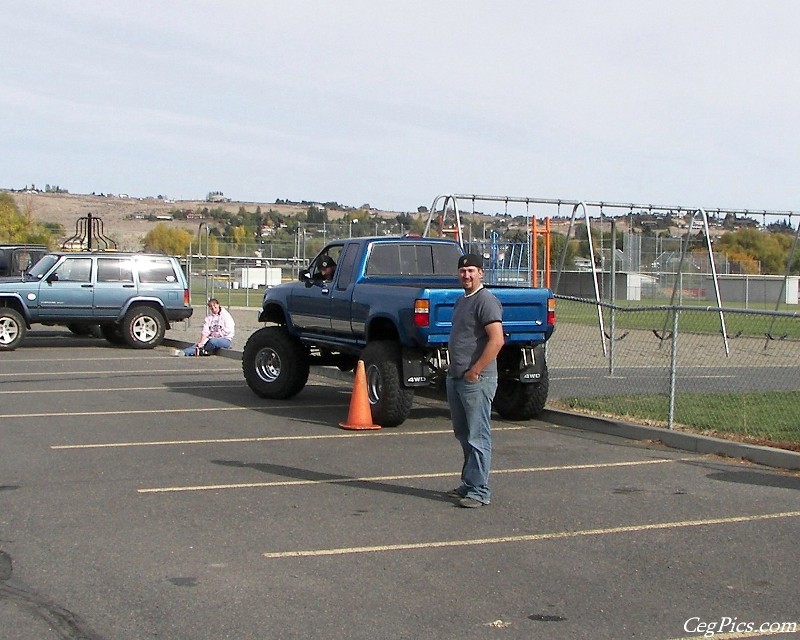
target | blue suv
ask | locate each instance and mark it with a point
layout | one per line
(132, 297)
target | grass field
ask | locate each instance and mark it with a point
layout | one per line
(760, 416)
(228, 297)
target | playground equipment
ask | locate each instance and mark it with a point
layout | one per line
(521, 264)
(89, 236)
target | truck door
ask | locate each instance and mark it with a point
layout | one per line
(67, 292)
(342, 293)
(310, 305)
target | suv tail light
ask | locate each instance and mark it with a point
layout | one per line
(551, 311)
(187, 298)
(422, 313)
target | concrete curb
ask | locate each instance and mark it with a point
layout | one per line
(768, 456)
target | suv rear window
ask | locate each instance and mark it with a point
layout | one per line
(155, 270)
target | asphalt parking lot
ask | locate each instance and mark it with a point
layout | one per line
(147, 496)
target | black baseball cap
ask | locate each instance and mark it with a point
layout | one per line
(470, 260)
(326, 262)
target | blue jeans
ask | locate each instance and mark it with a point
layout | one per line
(470, 411)
(211, 346)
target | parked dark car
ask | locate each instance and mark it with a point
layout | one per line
(16, 259)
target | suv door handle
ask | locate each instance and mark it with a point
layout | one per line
(86, 286)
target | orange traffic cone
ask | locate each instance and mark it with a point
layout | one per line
(360, 415)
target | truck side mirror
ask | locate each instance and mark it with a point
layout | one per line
(305, 276)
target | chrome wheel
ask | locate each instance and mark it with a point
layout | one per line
(9, 330)
(12, 329)
(268, 365)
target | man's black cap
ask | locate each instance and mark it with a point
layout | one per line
(470, 260)
(326, 262)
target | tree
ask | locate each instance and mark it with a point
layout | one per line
(16, 226)
(316, 215)
(239, 237)
(752, 248)
(168, 240)
(557, 242)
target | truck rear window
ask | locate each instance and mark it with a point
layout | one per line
(413, 259)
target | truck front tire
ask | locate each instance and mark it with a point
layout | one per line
(275, 364)
(390, 401)
(515, 400)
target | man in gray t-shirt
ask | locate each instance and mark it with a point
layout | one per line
(476, 338)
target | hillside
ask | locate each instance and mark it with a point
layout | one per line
(117, 213)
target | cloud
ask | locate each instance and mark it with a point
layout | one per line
(393, 102)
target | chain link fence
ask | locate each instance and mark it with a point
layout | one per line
(727, 372)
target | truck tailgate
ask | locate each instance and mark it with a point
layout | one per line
(524, 313)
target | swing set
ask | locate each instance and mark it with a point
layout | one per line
(507, 262)
(523, 264)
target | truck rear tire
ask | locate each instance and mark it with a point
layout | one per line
(12, 329)
(390, 401)
(275, 364)
(517, 401)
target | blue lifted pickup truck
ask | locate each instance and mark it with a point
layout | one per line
(390, 304)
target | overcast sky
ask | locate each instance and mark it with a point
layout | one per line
(692, 103)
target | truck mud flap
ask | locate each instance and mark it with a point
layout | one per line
(532, 364)
(416, 372)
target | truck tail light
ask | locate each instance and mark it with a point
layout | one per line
(422, 313)
(187, 298)
(551, 311)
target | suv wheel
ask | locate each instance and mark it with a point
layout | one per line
(12, 329)
(112, 333)
(81, 329)
(143, 328)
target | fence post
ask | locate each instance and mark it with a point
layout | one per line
(613, 291)
(673, 369)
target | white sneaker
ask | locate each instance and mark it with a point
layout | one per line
(177, 352)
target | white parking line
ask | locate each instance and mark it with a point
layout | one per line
(414, 476)
(534, 537)
(354, 434)
(128, 412)
(118, 389)
(84, 372)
